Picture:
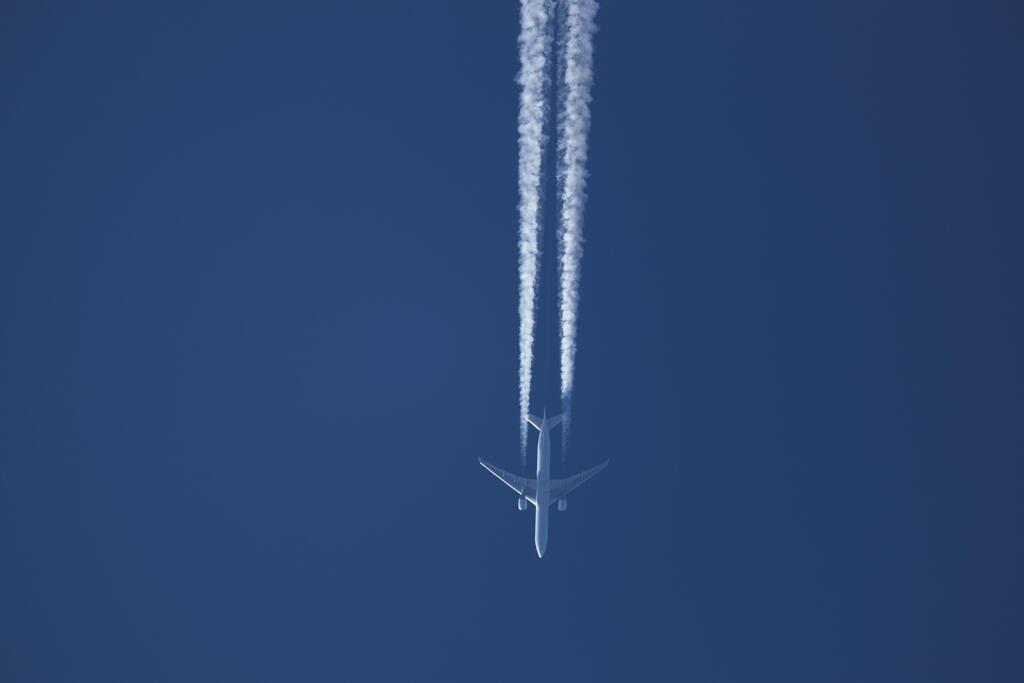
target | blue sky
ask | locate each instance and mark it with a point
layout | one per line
(258, 321)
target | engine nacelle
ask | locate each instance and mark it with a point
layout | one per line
(563, 504)
(521, 503)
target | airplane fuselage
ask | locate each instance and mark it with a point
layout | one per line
(540, 532)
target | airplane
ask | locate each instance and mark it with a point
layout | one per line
(542, 491)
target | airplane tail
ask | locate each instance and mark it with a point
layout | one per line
(553, 421)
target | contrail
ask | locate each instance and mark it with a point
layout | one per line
(577, 74)
(535, 40)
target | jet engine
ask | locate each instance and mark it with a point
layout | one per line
(521, 503)
(562, 504)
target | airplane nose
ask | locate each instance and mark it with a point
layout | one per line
(540, 550)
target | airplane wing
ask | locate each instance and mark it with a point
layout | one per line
(560, 488)
(521, 485)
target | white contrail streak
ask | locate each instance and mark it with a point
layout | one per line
(577, 57)
(534, 52)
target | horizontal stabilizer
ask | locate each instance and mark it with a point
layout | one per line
(553, 421)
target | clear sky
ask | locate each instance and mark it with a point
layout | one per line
(258, 321)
